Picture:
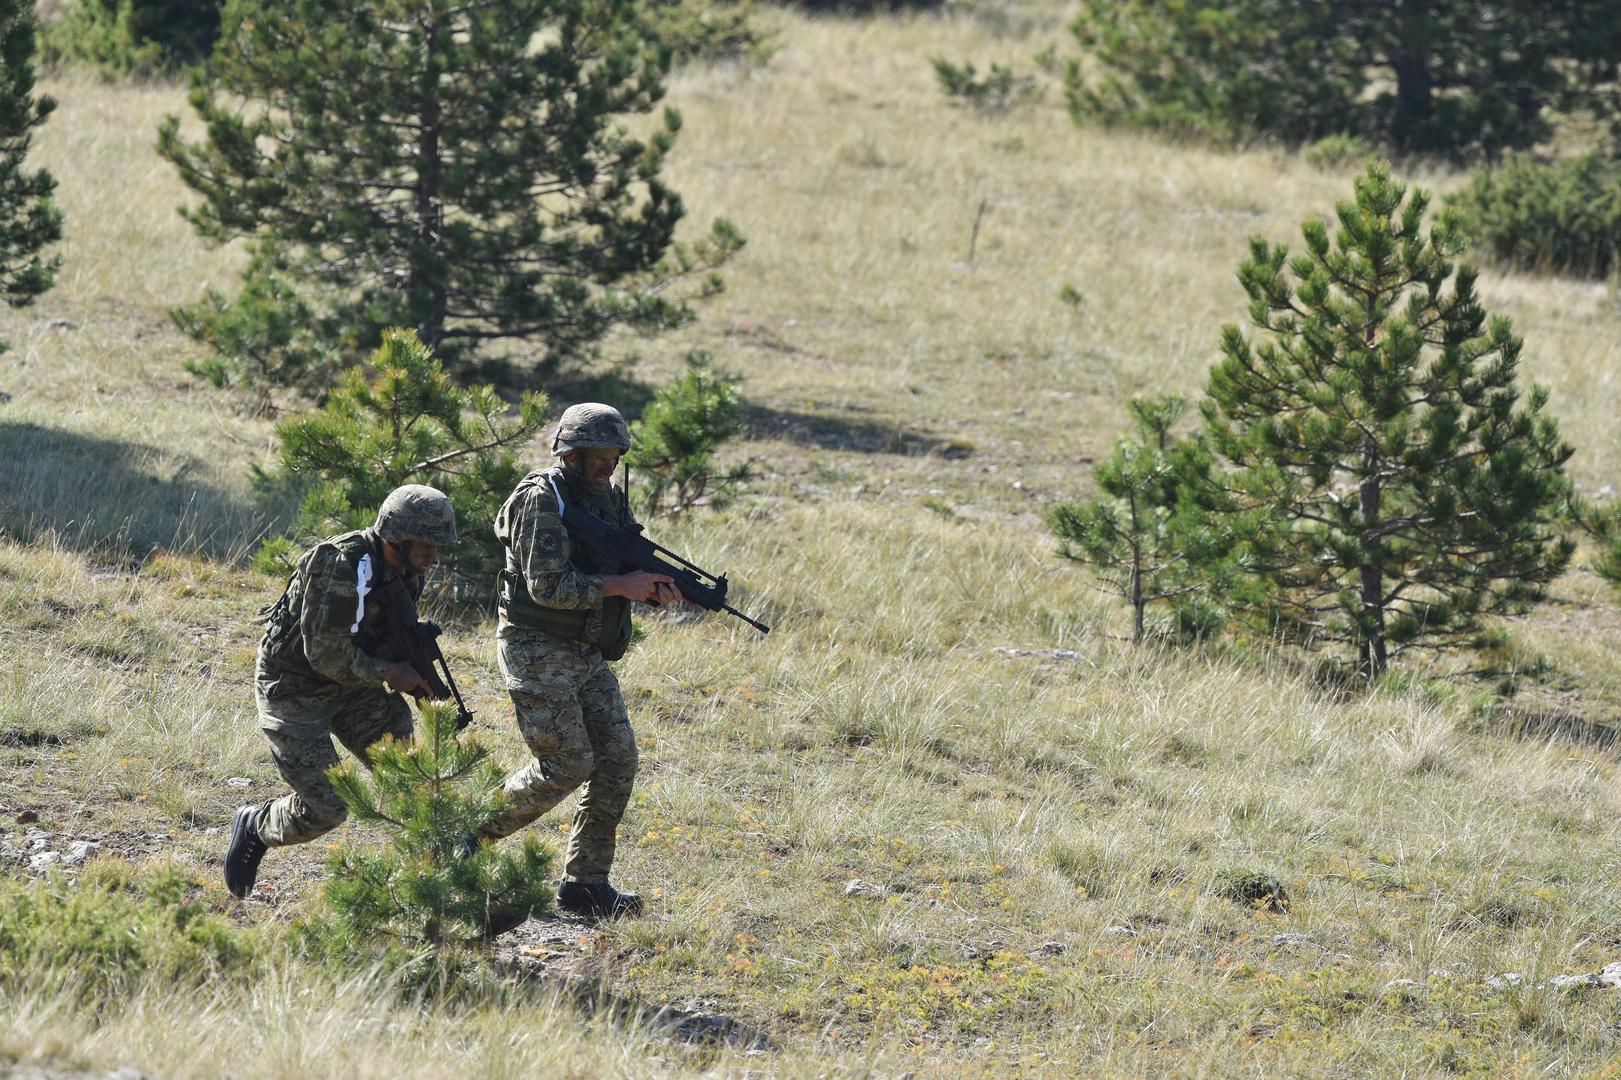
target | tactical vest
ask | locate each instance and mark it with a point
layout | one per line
(283, 643)
(607, 627)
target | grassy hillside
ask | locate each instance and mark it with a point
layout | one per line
(1053, 832)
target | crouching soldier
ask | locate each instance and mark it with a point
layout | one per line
(562, 620)
(317, 675)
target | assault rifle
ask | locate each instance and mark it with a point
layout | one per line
(416, 642)
(623, 549)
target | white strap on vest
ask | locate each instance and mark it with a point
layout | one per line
(362, 587)
(558, 492)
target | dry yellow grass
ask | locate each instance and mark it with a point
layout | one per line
(1049, 827)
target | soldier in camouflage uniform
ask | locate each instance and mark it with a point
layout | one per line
(562, 620)
(316, 676)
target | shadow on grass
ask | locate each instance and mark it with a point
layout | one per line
(843, 433)
(1561, 725)
(567, 385)
(117, 499)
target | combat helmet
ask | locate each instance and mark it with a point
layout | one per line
(417, 512)
(590, 424)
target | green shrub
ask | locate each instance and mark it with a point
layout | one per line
(121, 38)
(674, 442)
(401, 420)
(431, 794)
(115, 927)
(1562, 216)
(1337, 153)
(993, 94)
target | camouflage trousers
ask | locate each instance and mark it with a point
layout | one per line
(572, 715)
(300, 718)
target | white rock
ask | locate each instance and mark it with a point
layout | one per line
(40, 844)
(80, 850)
(44, 861)
(1564, 982)
(238, 781)
(1280, 941)
(1505, 981)
(867, 889)
(1611, 976)
(1124, 931)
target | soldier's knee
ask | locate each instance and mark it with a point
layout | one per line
(571, 766)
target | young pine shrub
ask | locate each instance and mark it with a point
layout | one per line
(399, 420)
(995, 93)
(432, 794)
(674, 442)
(29, 217)
(1134, 538)
(1561, 216)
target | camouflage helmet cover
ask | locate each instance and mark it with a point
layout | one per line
(590, 424)
(417, 512)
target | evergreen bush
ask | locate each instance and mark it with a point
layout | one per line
(1450, 77)
(673, 443)
(995, 93)
(427, 886)
(1133, 535)
(1562, 216)
(117, 926)
(29, 217)
(398, 420)
(122, 38)
(699, 32)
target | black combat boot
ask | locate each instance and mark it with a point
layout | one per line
(600, 901)
(243, 855)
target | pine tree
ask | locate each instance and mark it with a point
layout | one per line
(1133, 535)
(432, 794)
(401, 419)
(1387, 489)
(462, 169)
(29, 218)
(674, 441)
(1445, 76)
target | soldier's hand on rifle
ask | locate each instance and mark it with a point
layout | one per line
(648, 588)
(402, 678)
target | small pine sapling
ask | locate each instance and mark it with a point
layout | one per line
(1133, 536)
(673, 444)
(431, 794)
(29, 217)
(400, 420)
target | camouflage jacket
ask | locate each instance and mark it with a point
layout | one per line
(541, 556)
(322, 631)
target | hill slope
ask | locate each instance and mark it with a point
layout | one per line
(1053, 832)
